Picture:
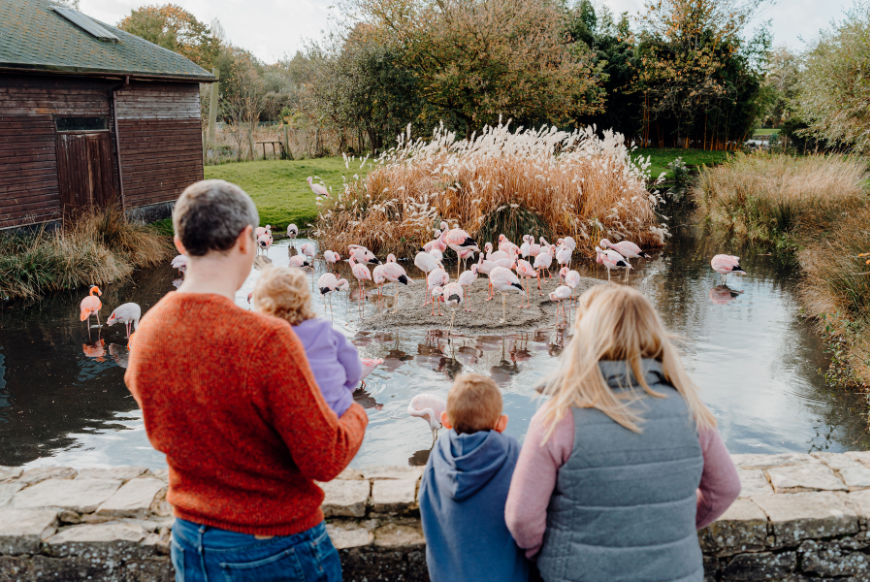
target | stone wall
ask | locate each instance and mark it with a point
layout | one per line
(800, 518)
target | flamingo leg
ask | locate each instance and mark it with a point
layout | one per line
(468, 300)
(608, 274)
(98, 319)
(452, 317)
(490, 294)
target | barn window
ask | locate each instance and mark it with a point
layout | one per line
(82, 124)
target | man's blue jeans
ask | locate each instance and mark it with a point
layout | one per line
(207, 554)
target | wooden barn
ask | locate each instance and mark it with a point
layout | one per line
(91, 115)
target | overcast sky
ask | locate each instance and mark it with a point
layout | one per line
(273, 28)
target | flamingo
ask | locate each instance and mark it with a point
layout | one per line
(725, 265)
(128, 314)
(439, 242)
(568, 243)
(292, 233)
(458, 240)
(468, 278)
(504, 280)
(331, 257)
(571, 278)
(494, 256)
(439, 256)
(437, 278)
(308, 250)
(466, 254)
(362, 254)
(561, 293)
(379, 279)
(361, 272)
(91, 305)
(426, 263)
(611, 260)
(525, 271)
(299, 261)
(318, 189)
(428, 407)
(368, 366)
(264, 241)
(453, 296)
(529, 248)
(485, 267)
(563, 256)
(394, 273)
(507, 246)
(627, 249)
(542, 263)
(261, 230)
(179, 263)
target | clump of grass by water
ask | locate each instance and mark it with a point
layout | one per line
(771, 197)
(576, 184)
(94, 250)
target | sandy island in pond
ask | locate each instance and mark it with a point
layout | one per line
(485, 315)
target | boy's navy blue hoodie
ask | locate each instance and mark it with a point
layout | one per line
(462, 499)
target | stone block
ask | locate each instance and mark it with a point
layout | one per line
(162, 474)
(133, 499)
(160, 506)
(154, 570)
(79, 495)
(22, 530)
(8, 490)
(711, 568)
(394, 495)
(350, 475)
(346, 535)
(754, 482)
(742, 528)
(88, 567)
(859, 502)
(112, 531)
(395, 536)
(345, 498)
(768, 461)
(836, 461)
(761, 566)
(117, 541)
(16, 568)
(33, 476)
(829, 559)
(9, 473)
(856, 478)
(801, 516)
(804, 478)
(122, 473)
(862, 457)
(401, 473)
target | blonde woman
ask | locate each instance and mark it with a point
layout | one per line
(283, 292)
(623, 463)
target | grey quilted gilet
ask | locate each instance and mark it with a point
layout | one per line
(624, 504)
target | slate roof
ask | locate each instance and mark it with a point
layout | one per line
(33, 37)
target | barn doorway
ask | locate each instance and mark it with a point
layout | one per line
(85, 171)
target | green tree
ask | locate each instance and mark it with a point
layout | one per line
(175, 29)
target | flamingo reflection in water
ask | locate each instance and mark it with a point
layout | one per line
(95, 350)
(723, 294)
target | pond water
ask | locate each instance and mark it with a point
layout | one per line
(63, 400)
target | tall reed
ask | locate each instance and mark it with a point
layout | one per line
(546, 182)
(96, 249)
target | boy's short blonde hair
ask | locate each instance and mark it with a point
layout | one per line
(283, 292)
(473, 404)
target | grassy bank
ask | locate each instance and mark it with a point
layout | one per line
(818, 207)
(694, 159)
(97, 250)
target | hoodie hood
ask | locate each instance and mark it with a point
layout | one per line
(464, 463)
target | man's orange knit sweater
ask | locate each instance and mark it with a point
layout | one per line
(228, 396)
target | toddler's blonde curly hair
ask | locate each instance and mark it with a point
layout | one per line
(283, 292)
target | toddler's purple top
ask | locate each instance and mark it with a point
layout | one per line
(334, 361)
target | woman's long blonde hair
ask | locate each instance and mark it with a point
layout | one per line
(616, 323)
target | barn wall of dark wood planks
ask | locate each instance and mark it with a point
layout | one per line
(158, 126)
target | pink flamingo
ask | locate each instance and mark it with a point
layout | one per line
(379, 279)
(529, 248)
(485, 267)
(468, 278)
(179, 263)
(362, 254)
(561, 293)
(627, 249)
(727, 264)
(264, 242)
(571, 278)
(430, 408)
(568, 243)
(308, 250)
(292, 233)
(440, 242)
(128, 314)
(458, 240)
(611, 260)
(507, 246)
(394, 273)
(331, 257)
(542, 263)
(362, 273)
(368, 366)
(504, 280)
(466, 254)
(299, 261)
(318, 189)
(563, 256)
(91, 305)
(494, 256)
(261, 230)
(426, 263)
(437, 278)
(453, 296)
(525, 271)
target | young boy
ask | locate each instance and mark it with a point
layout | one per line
(464, 489)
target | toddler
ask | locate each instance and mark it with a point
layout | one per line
(465, 487)
(283, 292)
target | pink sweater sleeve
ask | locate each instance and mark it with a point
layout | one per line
(534, 480)
(720, 483)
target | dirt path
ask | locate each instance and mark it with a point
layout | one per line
(485, 315)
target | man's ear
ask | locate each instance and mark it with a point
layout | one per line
(179, 246)
(501, 424)
(445, 421)
(246, 238)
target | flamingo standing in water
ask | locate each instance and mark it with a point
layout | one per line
(362, 273)
(453, 296)
(611, 260)
(299, 261)
(542, 263)
(180, 263)
(428, 407)
(561, 293)
(91, 305)
(264, 242)
(128, 314)
(261, 230)
(727, 264)
(328, 284)
(331, 257)
(503, 280)
(426, 263)
(308, 250)
(526, 271)
(437, 278)
(394, 273)
(467, 279)
(292, 233)
(627, 249)
(458, 240)
(318, 189)
(362, 255)
(571, 278)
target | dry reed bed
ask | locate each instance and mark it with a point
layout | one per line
(95, 250)
(544, 182)
(820, 204)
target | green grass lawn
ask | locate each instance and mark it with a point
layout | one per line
(279, 187)
(660, 159)
(765, 131)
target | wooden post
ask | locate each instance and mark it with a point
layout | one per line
(212, 109)
(287, 153)
(251, 143)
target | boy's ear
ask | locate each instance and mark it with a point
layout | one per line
(445, 421)
(501, 424)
